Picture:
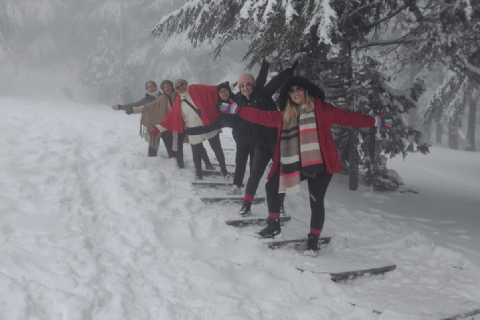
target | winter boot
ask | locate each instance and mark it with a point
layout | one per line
(312, 246)
(235, 190)
(272, 229)
(282, 209)
(225, 174)
(198, 176)
(245, 211)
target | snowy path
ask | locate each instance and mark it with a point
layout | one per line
(90, 228)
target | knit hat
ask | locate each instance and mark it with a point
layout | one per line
(312, 89)
(246, 77)
(177, 82)
(224, 85)
(166, 82)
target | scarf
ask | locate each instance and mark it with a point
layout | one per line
(299, 151)
(154, 94)
(152, 114)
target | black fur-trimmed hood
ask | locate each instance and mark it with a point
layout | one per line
(312, 88)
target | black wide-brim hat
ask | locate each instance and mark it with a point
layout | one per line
(313, 90)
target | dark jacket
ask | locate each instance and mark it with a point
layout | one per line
(261, 98)
(241, 129)
(147, 99)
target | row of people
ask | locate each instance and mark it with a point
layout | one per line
(295, 135)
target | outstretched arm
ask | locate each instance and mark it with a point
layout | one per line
(350, 119)
(264, 118)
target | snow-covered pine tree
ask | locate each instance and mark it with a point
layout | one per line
(102, 68)
(436, 32)
(6, 30)
(323, 35)
(373, 95)
(448, 104)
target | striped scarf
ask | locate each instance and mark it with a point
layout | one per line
(299, 151)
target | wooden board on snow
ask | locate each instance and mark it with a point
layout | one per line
(340, 266)
(232, 198)
(416, 300)
(212, 183)
(283, 243)
(249, 222)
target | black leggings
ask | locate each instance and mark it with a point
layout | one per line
(241, 158)
(167, 138)
(317, 188)
(167, 141)
(261, 158)
(199, 152)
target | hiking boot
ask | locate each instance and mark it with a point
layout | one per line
(235, 190)
(245, 211)
(272, 229)
(226, 175)
(312, 246)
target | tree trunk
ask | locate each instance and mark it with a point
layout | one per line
(453, 134)
(412, 113)
(354, 158)
(472, 117)
(439, 133)
(371, 153)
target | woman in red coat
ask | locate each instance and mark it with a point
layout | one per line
(305, 149)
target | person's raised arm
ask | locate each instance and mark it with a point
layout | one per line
(277, 81)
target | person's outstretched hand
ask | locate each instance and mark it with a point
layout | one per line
(115, 107)
(382, 123)
(229, 108)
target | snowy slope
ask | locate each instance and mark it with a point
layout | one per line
(90, 228)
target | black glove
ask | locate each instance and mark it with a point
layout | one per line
(265, 64)
(291, 70)
(128, 109)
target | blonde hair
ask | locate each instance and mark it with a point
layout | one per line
(293, 109)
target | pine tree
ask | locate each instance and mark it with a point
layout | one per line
(448, 104)
(6, 30)
(324, 35)
(373, 96)
(102, 69)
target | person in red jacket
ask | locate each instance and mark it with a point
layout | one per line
(195, 105)
(305, 149)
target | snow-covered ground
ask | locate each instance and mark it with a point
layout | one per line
(91, 228)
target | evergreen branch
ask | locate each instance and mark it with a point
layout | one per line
(368, 5)
(386, 43)
(393, 14)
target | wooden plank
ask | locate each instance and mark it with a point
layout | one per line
(212, 184)
(235, 199)
(250, 222)
(217, 165)
(463, 315)
(281, 243)
(340, 266)
(349, 275)
(209, 173)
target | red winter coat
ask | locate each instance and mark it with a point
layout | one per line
(204, 97)
(326, 114)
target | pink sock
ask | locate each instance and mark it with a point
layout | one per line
(274, 215)
(315, 231)
(248, 198)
